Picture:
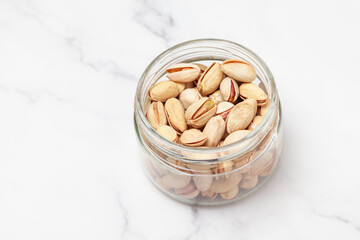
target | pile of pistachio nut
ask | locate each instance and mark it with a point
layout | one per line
(202, 106)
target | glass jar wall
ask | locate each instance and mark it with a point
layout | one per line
(209, 176)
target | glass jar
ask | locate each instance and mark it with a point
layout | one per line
(209, 176)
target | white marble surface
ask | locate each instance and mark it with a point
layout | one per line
(68, 163)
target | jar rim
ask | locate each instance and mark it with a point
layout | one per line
(141, 117)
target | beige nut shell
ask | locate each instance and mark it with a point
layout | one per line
(239, 70)
(250, 90)
(183, 72)
(164, 90)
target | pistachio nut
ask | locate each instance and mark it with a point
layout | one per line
(230, 194)
(172, 180)
(177, 164)
(223, 185)
(162, 183)
(183, 72)
(147, 105)
(202, 70)
(250, 90)
(199, 113)
(189, 96)
(252, 102)
(238, 70)
(264, 144)
(223, 109)
(175, 114)
(241, 161)
(209, 194)
(264, 108)
(181, 86)
(202, 67)
(224, 167)
(190, 191)
(259, 164)
(193, 138)
(168, 132)
(235, 136)
(248, 183)
(255, 122)
(203, 183)
(229, 90)
(216, 97)
(162, 91)
(241, 115)
(156, 115)
(221, 143)
(210, 80)
(214, 130)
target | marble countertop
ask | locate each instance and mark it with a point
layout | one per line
(68, 160)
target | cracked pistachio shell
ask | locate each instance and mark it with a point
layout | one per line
(223, 109)
(229, 90)
(183, 72)
(235, 136)
(241, 115)
(209, 194)
(190, 191)
(202, 70)
(255, 122)
(172, 180)
(156, 115)
(248, 183)
(203, 183)
(223, 185)
(189, 96)
(238, 70)
(168, 132)
(193, 138)
(250, 90)
(216, 97)
(199, 113)
(230, 194)
(162, 91)
(210, 80)
(175, 115)
(214, 130)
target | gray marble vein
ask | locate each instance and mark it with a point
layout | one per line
(195, 222)
(34, 97)
(339, 219)
(109, 66)
(154, 20)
